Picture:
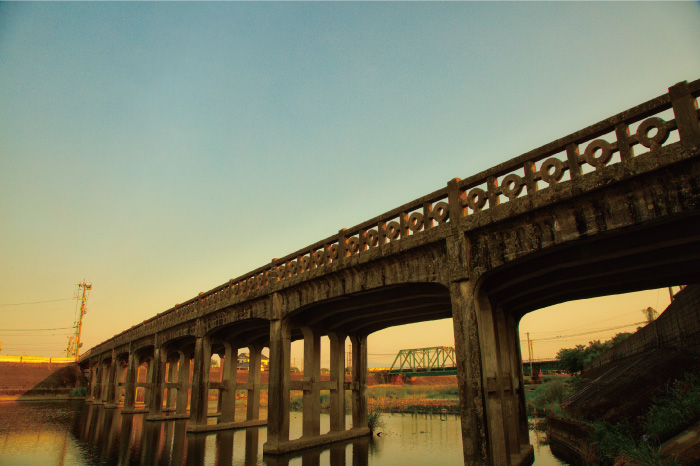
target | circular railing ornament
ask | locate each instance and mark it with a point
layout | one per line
(512, 186)
(552, 170)
(657, 139)
(605, 149)
(476, 199)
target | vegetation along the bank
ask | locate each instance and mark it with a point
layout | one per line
(676, 408)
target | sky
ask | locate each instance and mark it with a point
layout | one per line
(157, 150)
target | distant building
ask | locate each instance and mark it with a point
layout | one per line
(243, 362)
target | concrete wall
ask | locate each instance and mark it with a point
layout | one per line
(677, 327)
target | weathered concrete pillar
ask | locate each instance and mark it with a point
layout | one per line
(148, 389)
(278, 384)
(337, 393)
(518, 379)
(227, 394)
(468, 355)
(183, 375)
(312, 378)
(506, 382)
(130, 383)
(155, 408)
(199, 405)
(112, 382)
(97, 391)
(122, 367)
(359, 380)
(91, 383)
(171, 393)
(253, 406)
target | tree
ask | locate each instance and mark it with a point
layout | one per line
(572, 358)
(650, 313)
(575, 359)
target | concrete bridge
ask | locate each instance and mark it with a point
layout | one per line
(612, 208)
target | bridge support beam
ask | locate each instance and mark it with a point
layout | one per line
(199, 404)
(254, 359)
(183, 375)
(337, 395)
(229, 384)
(359, 381)
(112, 382)
(91, 384)
(278, 383)
(491, 433)
(155, 407)
(170, 391)
(311, 382)
(130, 383)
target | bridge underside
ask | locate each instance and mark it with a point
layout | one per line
(665, 253)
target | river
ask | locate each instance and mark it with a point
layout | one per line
(78, 434)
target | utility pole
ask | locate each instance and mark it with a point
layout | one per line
(73, 349)
(529, 352)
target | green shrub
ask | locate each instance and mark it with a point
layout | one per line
(678, 406)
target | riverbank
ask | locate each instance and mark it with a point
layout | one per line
(644, 410)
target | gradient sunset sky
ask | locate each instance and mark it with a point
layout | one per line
(159, 149)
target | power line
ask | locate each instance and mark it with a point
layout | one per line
(37, 310)
(34, 329)
(560, 337)
(37, 302)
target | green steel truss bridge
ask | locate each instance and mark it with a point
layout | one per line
(418, 362)
(440, 360)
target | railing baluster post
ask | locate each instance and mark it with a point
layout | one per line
(685, 108)
(454, 199)
(622, 132)
(530, 180)
(573, 157)
(493, 191)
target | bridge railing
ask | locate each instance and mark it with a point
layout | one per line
(617, 140)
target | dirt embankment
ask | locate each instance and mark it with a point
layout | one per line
(36, 380)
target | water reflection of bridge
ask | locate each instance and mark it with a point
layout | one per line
(609, 209)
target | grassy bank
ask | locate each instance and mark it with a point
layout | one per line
(634, 441)
(395, 398)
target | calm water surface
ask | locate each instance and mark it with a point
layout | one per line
(75, 434)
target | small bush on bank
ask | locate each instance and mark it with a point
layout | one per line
(549, 396)
(677, 407)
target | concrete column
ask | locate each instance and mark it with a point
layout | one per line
(227, 394)
(148, 390)
(183, 375)
(468, 355)
(278, 384)
(112, 382)
(90, 396)
(130, 384)
(199, 405)
(312, 377)
(518, 379)
(121, 380)
(171, 393)
(97, 391)
(492, 381)
(155, 408)
(509, 397)
(253, 406)
(359, 380)
(337, 395)
(104, 391)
